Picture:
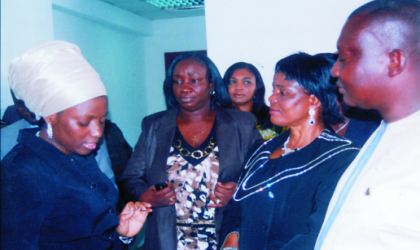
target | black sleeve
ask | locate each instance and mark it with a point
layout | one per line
(232, 218)
(133, 182)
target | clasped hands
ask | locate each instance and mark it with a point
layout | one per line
(222, 194)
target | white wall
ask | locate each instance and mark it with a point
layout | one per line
(114, 47)
(264, 31)
(118, 56)
(130, 59)
(172, 35)
(24, 24)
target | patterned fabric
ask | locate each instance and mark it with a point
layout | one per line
(193, 180)
(268, 133)
(272, 132)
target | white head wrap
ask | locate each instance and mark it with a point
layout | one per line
(53, 77)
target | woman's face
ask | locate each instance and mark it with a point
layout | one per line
(242, 86)
(191, 85)
(78, 129)
(290, 103)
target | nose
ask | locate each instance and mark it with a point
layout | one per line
(185, 87)
(238, 86)
(96, 129)
(271, 99)
(334, 71)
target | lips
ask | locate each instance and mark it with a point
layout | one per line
(339, 83)
(237, 95)
(340, 87)
(90, 146)
(186, 99)
(341, 91)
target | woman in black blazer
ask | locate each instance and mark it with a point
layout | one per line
(196, 149)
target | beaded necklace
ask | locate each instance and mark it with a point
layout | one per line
(196, 154)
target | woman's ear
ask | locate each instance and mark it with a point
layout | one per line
(51, 119)
(211, 85)
(314, 101)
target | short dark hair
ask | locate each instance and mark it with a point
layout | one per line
(406, 11)
(221, 96)
(259, 108)
(313, 74)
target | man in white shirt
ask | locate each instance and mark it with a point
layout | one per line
(376, 203)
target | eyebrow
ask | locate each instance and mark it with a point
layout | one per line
(189, 74)
(246, 77)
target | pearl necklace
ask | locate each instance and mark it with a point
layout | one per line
(288, 150)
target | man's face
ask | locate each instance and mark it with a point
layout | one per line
(362, 65)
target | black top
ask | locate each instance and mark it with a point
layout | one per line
(51, 200)
(281, 203)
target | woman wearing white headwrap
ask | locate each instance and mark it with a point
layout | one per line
(54, 195)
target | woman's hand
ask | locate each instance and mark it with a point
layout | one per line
(223, 192)
(132, 218)
(161, 198)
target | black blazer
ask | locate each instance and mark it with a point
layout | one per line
(235, 133)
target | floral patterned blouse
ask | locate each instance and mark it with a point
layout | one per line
(194, 173)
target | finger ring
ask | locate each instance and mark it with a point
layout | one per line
(141, 209)
(218, 201)
(172, 200)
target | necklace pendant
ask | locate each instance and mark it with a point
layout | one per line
(287, 151)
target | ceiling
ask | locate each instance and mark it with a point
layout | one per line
(144, 9)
